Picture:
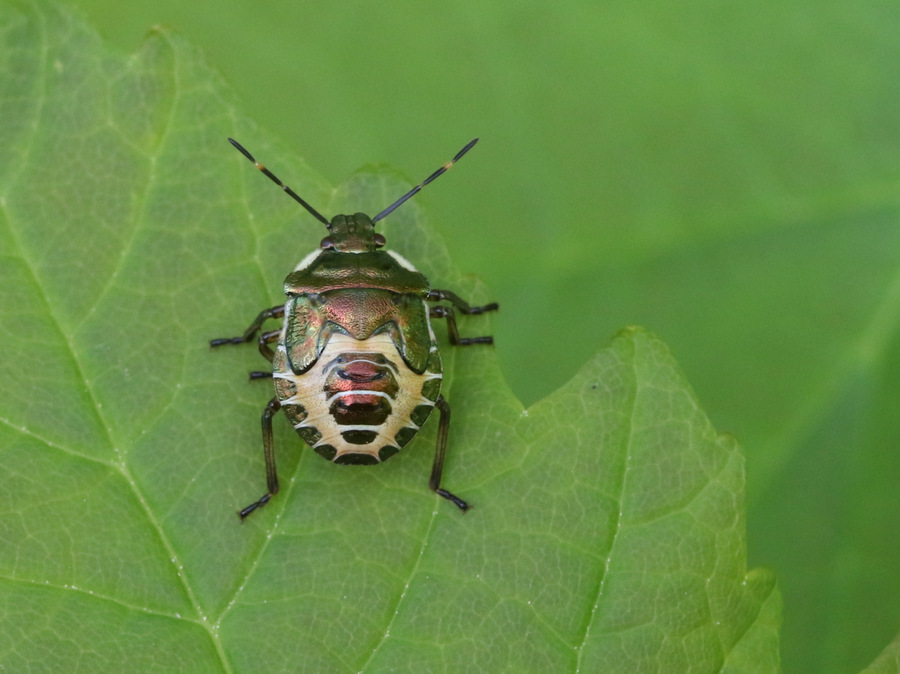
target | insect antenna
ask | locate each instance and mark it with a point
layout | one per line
(275, 179)
(446, 167)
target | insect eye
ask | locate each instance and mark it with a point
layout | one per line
(379, 240)
(326, 243)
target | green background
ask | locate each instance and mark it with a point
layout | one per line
(725, 174)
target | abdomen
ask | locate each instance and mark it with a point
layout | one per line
(359, 403)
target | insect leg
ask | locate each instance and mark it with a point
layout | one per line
(265, 339)
(269, 451)
(442, 311)
(447, 312)
(437, 468)
(458, 302)
(250, 332)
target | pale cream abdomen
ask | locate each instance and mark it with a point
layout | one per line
(359, 403)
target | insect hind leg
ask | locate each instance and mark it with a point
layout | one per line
(269, 451)
(437, 468)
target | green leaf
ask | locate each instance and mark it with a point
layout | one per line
(608, 527)
(888, 662)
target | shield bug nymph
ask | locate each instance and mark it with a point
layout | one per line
(356, 368)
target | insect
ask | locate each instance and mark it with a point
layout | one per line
(356, 367)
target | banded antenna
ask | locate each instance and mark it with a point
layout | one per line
(415, 190)
(275, 179)
(386, 212)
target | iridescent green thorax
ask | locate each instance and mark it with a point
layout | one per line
(332, 270)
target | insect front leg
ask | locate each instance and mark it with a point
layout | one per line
(443, 311)
(435, 295)
(269, 451)
(437, 468)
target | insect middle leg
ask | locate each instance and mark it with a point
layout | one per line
(269, 451)
(437, 468)
(265, 339)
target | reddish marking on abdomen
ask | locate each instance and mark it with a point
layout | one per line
(362, 371)
(360, 409)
